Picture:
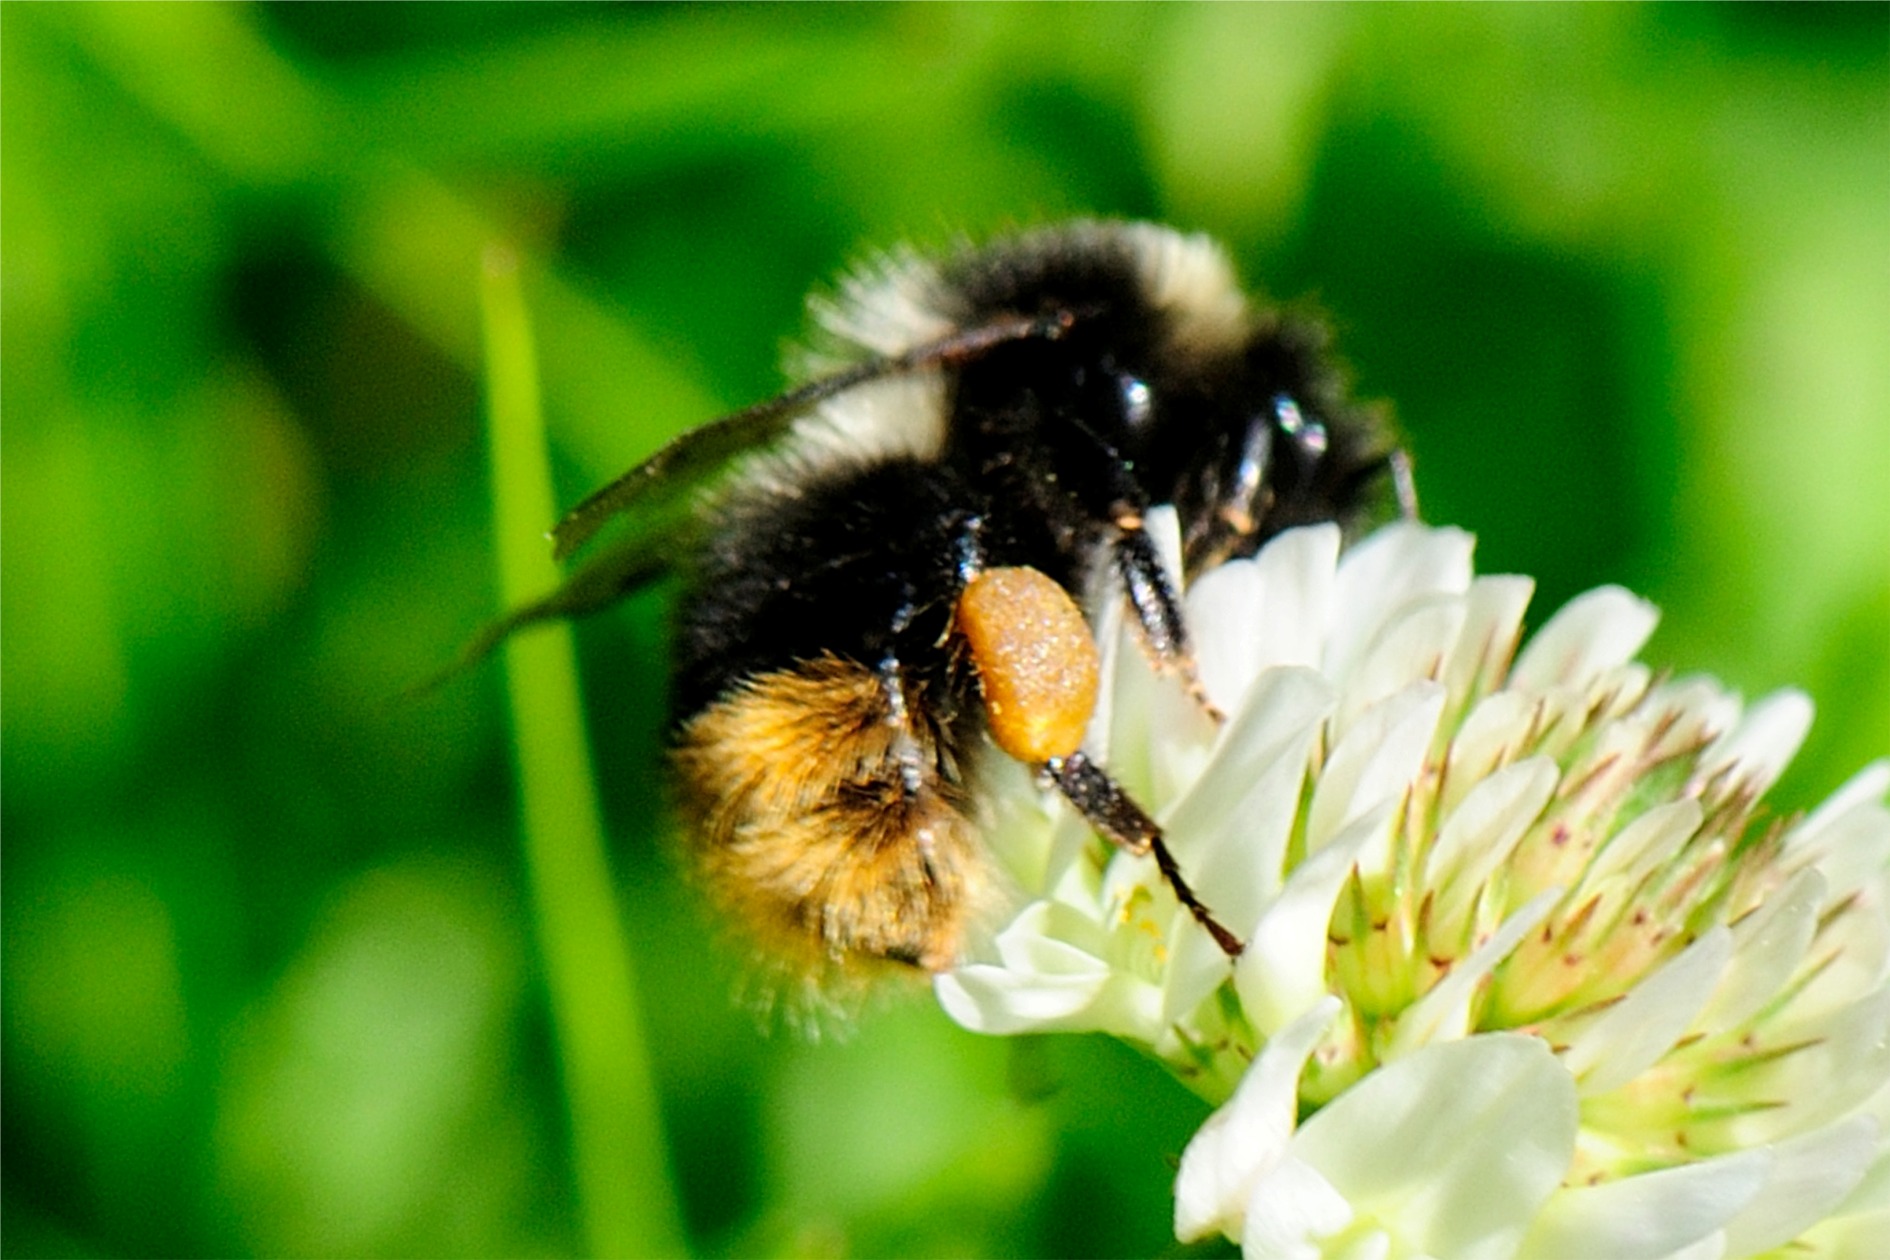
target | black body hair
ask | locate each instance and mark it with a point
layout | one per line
(1050, 443)
(1018, 407)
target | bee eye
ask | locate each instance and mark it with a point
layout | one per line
(1138, 402)
(1308, 435)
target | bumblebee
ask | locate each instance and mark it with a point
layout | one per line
(885, 569)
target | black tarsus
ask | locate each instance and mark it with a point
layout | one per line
(1123, 501)
(1150, 594)
(1118, 819)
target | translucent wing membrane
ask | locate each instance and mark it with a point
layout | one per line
(656, 501)
(644, 552)
(699, 455)
(669, 480)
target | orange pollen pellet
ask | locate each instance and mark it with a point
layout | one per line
(1035, 658)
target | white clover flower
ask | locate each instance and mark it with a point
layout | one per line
(1529, 971)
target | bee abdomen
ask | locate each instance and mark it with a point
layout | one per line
(825, 820)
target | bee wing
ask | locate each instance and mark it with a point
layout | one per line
(657, 499)
(668, 481)
(698, 455)
(643, 553)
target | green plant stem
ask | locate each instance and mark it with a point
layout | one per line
(626, 1197)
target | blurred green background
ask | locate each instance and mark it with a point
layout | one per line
(271, 982)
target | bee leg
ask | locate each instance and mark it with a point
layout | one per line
(1157, 605)
(823, 814)
(1036, 665)
(1122, 502)
(1116, 816)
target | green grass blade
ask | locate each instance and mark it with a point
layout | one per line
(627, 1200)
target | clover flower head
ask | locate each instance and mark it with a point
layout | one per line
(1529, 968)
